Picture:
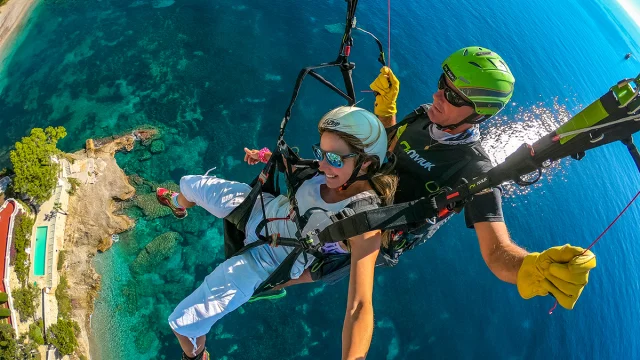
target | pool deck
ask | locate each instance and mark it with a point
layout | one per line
(55, 221)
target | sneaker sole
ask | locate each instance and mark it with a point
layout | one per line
(165, 202)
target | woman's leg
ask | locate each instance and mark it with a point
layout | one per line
(303, 279)
(187, 346)
(228, 287)
(217, 196)
(183, 202)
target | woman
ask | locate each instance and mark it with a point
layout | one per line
(352, 147)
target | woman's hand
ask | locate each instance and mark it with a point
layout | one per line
(252, 157)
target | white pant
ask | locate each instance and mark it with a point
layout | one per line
(233, 282)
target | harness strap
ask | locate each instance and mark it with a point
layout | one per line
(357, 206)
(633, 150)
(453, 170)
(236, 221)
(301, 175)
(281, 274)
(392, 217)
(300, 247)
(410, 118)
(421, 111)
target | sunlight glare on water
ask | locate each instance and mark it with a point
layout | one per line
(505, 133)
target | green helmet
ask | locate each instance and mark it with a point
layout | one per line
(482, 76)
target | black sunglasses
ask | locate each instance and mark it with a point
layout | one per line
(452, 97)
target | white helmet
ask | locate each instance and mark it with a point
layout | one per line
(360, 123)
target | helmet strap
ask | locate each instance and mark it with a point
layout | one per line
(354, 175)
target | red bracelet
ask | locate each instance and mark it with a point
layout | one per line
(261, 154)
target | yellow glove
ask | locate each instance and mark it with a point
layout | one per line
(561, 271)
(386, 86)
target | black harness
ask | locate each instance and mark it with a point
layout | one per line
(309, 243)
(428, 165)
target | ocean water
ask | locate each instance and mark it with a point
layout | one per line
(217, 76)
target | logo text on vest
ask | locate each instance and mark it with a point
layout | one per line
(415, 157)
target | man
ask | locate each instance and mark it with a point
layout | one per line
(437, 145)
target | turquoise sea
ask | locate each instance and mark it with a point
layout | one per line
(215, 76)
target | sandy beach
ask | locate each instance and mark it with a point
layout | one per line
(13, 16)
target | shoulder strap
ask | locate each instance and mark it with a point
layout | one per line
(419, 112)
(400, 216)
(370, 202)
(444, 178)
(479, 152)
(474, 152)
(301, 175)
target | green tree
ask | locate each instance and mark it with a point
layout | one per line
(36, 334)
(57, 208)
(62, 256)
(7, 342)
(21, 240)
(28, 349)
(26, 300)
(63, 336)
(75, 183)
(62, 296)
(36, 174)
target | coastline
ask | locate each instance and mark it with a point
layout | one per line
(92, 219)
(13, 15)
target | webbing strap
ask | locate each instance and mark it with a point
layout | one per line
(239, 215)
(281, 274)
(400, 216)
(236, 221)
(354, 207)
(413, 116)
(633, 150)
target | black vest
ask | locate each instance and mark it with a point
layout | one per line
(425, 165)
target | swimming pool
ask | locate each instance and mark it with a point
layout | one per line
(41, 250)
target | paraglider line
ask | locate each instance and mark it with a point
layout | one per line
(600, 236)
(389, 32)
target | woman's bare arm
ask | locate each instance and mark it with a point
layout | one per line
(357, 329)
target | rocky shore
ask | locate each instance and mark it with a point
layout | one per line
(93, 218)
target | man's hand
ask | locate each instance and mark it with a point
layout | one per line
(386, 87)
(561, 271)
